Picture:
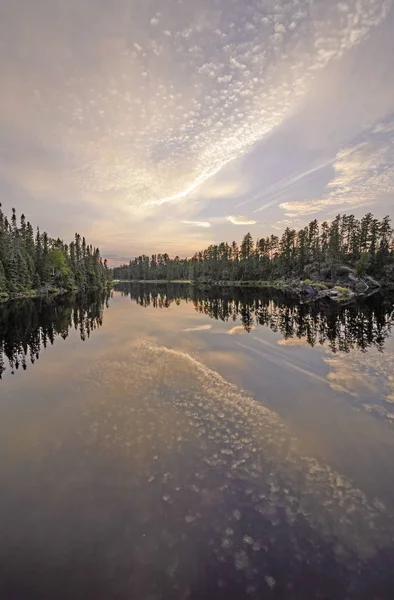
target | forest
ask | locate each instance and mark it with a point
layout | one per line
(33, 262)
(318, 252)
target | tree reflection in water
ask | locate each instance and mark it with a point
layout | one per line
(27, 326)
(362, 324)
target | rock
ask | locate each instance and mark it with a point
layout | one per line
(344, 270)
(351, 280)
(371, 282)
(308, 290)
(360, 287)
(334, 293)
(323, 294)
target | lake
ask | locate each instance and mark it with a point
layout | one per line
(170, 442)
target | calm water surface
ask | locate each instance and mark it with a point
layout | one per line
(197, 444)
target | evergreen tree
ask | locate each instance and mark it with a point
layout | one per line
(288, 249)
(38, 262)
(246, 247)
(303, 249)
(316, 250)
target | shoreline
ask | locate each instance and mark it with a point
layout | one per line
(305, 290)
(47, 293)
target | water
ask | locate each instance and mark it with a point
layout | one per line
(198, 444)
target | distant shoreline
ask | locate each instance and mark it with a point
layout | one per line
(201, 283)
(305, 290)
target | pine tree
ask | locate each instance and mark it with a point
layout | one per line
(317, 251)
(288, 250)
(246, 247)
(302, 249)
(39, 262)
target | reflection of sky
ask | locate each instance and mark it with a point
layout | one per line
(194, 121)
(163, 442)
(331, 402)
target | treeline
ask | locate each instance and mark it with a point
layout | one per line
(33, 261)
(27, 327)
(341, 328)
(316, 251)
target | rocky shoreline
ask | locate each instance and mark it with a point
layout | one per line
(346, 288)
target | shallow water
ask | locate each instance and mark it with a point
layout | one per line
(198, 444)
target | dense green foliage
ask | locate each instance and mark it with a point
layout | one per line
(31, 261)
(316, 251)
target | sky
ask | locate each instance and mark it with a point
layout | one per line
(167, 126)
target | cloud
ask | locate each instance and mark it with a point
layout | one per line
(295, 341)
(238, 220)
(199, 328)
(147, 118)
(364, 376)
(197, 223)
(291, 223)
(240, 330)
(276, 190)
(345, 380)
(363, 174)
(367, 378)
